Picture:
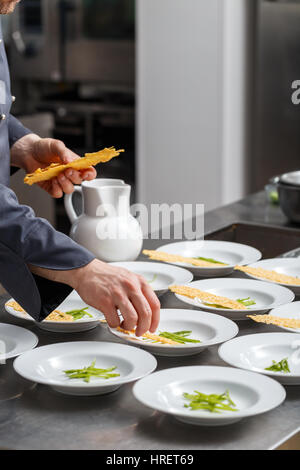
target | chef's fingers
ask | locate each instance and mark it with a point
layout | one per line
(144, 312)
(56, 190)
(65, 184)
(73, 175)
(89, 174)
(111, 314)
(129, 314)
(154, 305)
(58, 148)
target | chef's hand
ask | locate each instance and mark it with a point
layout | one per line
(32, 152)
(109, 289)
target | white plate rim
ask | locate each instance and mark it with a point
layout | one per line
(236, 280)
(90, 385)
(257, 253)
(261, 263)
(251, 411)
(159, 266)
(18, 350)
(269, 373)
(273, 312)
(206, 316)
(21, 316)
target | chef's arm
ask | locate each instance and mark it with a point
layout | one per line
(16, 131)
(109, 289)
(26, 239)
(39, 267)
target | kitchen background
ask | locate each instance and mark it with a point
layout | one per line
(198, 92)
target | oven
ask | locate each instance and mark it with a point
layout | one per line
(35, 38)
(75, 41)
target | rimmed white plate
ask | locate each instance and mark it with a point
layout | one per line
(256, 352)
(72, 302)
(226, 252)
(288, 266)
(252, 393)
(210, 329)
(266, 295)
(45, 365)
(159, 275)
(15, 340)
(288, 311)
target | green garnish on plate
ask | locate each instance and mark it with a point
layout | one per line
(212, 403)
(153, 279)
(79, 313)
(281, 366)
(209, 260)
(179, 336)
(91, 371)
(246, 302)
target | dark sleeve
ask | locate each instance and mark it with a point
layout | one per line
(16, 130)
(26, 239)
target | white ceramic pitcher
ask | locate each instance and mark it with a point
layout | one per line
(105, 227)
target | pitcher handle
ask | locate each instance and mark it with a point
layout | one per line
(69, 204)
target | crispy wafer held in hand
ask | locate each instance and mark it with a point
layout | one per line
(170, 258)
(53, 170)
(278, 321)
(269, 275)
(193, 293)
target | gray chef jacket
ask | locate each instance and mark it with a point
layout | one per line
(24, 238)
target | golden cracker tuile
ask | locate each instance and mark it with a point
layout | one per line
(269, 275)
(168, 257)
(207, 297)
(148, 335)
(53, 170)
(278, 321)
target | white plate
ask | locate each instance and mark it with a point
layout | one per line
(255, 352)
(266, 295)
(72, 302)
(288, 266)
(210, 329)
(45, 365)
(15, 340)
(252, 393)
(159, 275)
(227, 252)
(288, 311)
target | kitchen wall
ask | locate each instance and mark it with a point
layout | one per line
(193, 71)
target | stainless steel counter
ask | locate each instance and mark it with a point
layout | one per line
(35, 417)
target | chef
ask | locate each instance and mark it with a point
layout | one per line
(39, 266)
